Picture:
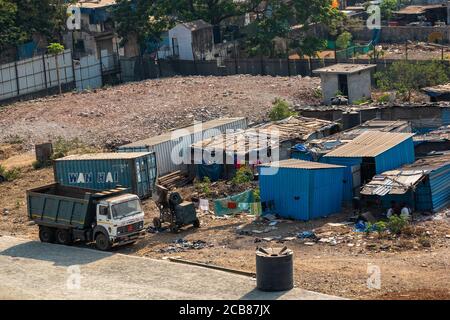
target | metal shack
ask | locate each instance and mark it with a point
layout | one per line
(104, 171)
(263, 143)
(301, 190)
(423, 185)
(178, 143)
(369, 154)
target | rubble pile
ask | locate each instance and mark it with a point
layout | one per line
(135, 111)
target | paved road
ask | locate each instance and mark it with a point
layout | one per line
(33, 270)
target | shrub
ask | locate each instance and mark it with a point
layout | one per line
(281, 110)
(396, 224)
(9, 175)
(204, 186)
(14, 139)
(384, 98)
(361, 101)
(62, 147)
(406, 76)
(344, 40)
(243, 175)
(257, 195)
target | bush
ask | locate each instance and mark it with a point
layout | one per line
(384, 98)
(243, 175)
(396, 224)
(204, 186)
(257, 195)
(406, 76)
(281, 110)
(344, 40)
(62, 147)
(9, 175)
(361, 101)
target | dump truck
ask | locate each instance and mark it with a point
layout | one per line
(67, 214)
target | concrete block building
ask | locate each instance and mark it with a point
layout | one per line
(351, 80)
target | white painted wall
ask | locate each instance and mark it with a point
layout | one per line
(184, 36)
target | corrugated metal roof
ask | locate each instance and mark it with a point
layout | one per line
(104, 156)
(292, 128)
(419, 9)
(345, 68)
(370, 144)
(393, 182)
(191, 129)
(300, 164)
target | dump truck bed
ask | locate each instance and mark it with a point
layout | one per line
(61, 206)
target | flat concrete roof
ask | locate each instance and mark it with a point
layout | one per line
(345, 68)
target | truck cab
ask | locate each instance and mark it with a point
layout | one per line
(119, 220)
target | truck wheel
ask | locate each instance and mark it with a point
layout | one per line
(196, 223)
(46, 234)
(102, 242)
(64, 237)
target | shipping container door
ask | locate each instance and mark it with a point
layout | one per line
(145, 175)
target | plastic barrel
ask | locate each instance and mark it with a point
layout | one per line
(274, 269)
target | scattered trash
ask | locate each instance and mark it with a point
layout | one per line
(183, 245)
(360, 226)
(447, 236)
(273, 223)
(310, 243)
(307, 235)
(270, 217)
(5, 212)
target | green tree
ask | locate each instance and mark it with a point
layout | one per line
(344, 40)
(56, 49)
(47, 17)
(387, 8)
(276, 18)
(145, 19)
(405, 77)
(10, 33)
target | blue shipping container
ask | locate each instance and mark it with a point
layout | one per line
(104, 171)
(302, 190)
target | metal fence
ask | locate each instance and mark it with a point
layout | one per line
(38, 75)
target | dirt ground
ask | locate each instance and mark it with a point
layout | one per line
(412, 267)
(134, 111)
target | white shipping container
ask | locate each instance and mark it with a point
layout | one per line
(163, 145)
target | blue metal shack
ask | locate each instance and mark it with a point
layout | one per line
(369, 154)
(424, 185)
(301, 190)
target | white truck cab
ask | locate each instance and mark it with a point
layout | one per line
(121, 217)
